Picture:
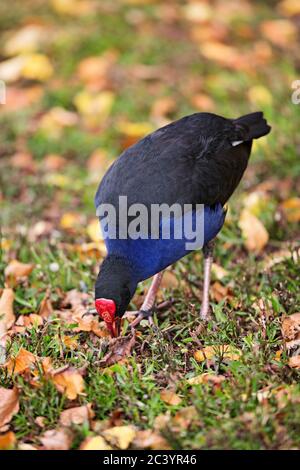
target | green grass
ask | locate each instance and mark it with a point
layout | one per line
(232, 415)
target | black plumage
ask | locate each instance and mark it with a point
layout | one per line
(199, 159)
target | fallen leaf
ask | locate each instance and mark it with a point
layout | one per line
(37, 67)
(148, 439)
(255, 234)
(120, 436)
(98, 162)
(73, 7)
(95, 108)
(69, 382)
(94, 71)
(226, 351)
(70, 342)
(280, 32)
(11, 69)
(18, 98)
(220, 292)
(56, 439)
(9, 404)
(260, 96)
(77, 415)
(289, 7)
(70, 220)
(7, 441)
(223, 54)
(23, 161)
(45, 308)
(21, 363)
(120, 348)
(7, 317)
(291, 208)
(290, 329)
(17, 271)
(219, 272)
(93, 231)
(170, 397)
(206, 378)
(27, 39)
(53, 162)
(294, 362)
(56, 120)
(95, 443)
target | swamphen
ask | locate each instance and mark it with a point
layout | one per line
(199, 159)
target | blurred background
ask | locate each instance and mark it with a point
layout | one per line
(84, 80)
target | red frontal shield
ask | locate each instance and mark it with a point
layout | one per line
(107, 310)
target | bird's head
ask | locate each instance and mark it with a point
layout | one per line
(113, 291)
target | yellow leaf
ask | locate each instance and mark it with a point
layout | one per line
(9, 404)
(93, 231)
(226, 351)
(70, 220)
(37, 67)
(170, 397)
(289, 7)
(255, 234)
(95, 443)
(135, 129)
(260, 95)
(291, 208)
(70, 383)
(95, 107)
(120, 436)
(70, 342)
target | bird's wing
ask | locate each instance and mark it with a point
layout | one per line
(190, 161)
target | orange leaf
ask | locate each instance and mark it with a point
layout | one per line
(21, 363)
(170, 397)
(7, 441)
(69, 382)
(7, 317)
(17, 270)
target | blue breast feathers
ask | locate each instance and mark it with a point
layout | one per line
(150, 256)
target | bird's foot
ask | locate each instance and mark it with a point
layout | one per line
(140, 315)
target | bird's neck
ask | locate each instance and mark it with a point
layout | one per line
(116, 274)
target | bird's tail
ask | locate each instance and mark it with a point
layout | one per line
(251, 126)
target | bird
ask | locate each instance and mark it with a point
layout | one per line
(195, 162)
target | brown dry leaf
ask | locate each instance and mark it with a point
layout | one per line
(149, 439)
(220, 292)
(7, 441)
(46, 309)
(23, 161)
(94, 71)
(95, 443)
(77, 415)
(120, 436)
(206, 378)
(69, 382)
(290, 329)
(23, 362)
(169, 280)
(7, 317)
(280, 32)
(56, 439)
(16, 270)
(18, 98)
(120, 348)
(9, 404)
(289, 7)
(223, 54)
(170, 397)
(294, 362)
(291, 208)
(226, 351)
(255, 234)
(53, 162)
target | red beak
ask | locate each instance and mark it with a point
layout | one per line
(107, 311)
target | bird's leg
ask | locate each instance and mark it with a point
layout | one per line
(146, 309)
(208, 259)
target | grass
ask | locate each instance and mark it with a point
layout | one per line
(235, 414)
